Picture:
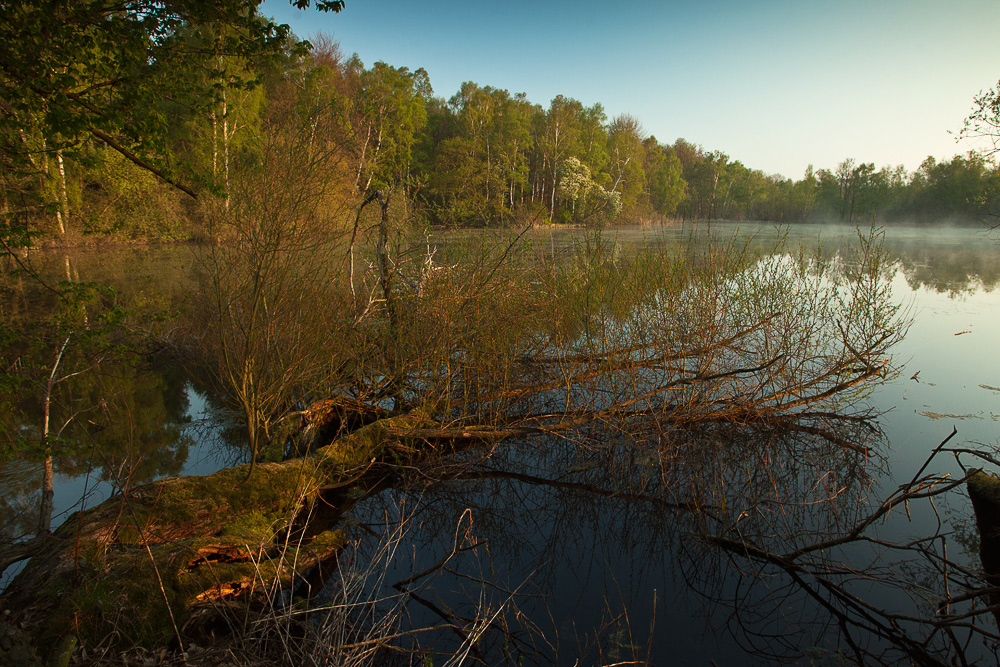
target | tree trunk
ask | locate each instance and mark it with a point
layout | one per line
(62, 216)
(45, 505)
(984, 491)
(361, 159)
(215, 147)
(225, 146)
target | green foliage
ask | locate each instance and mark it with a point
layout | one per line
(390, 111)
(477, 159)
(587, 201)
(79, 73)
(667, 189)
(108, 108)
(130, 203)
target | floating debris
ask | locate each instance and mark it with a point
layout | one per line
(945, 415)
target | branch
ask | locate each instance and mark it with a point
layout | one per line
(135, 159)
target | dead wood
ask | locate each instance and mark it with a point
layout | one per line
(187, 551)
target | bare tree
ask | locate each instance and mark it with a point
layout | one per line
(268, 309)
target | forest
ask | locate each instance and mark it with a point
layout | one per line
(109, 145)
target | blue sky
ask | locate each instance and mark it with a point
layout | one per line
(776, 84)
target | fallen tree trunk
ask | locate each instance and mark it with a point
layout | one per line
(155, 564)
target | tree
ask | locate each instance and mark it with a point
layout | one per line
(479, 160)
(983, 123)
(391, 111)
(594, 140)
(266, 316)
(52, 357)
(562, 132)
(589, 201)
(626, 164)
(963, 187)
(99, 71)
(665, 187)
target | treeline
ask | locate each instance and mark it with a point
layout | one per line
(482, 157)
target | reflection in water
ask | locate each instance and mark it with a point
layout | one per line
(136, 433)
(942, 259)
(591, 548)
(596, 532)
(607, 546)
(118, 410)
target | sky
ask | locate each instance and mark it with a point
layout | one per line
(779, 85)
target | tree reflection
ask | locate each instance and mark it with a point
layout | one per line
(85, 389)
(785, 541)
(133, 432)
(588, 527)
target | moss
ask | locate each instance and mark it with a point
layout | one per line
(255, 527)
(369, 442)
(985, 486)
(327, 542)
(208, 504)
(127, 600)
(211, 538)
(114, 589)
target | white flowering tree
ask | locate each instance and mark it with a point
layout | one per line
(588, 200)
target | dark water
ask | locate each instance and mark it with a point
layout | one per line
(586, 554)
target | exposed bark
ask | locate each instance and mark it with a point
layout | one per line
(226, 136)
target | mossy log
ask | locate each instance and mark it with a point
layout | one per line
(984, 491)
(145, 567)
(322, 422)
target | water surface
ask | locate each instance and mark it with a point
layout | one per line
(591, 545)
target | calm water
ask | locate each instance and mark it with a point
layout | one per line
(605, 579)
(600, 578)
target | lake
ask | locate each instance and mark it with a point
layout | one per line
(591, 554)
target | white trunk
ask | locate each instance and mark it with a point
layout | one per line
(45, 507)
(225, 145)
(215, 146)
(62, 216)
(555, 174)
(361, 160)
(375, 152)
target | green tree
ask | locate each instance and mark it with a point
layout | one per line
(481, 163)
(626, 163)
(96, 70)
(559, 141)
(588, 201)
(594, 141)
(390, 110)
(667, 188)
(803, 196)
